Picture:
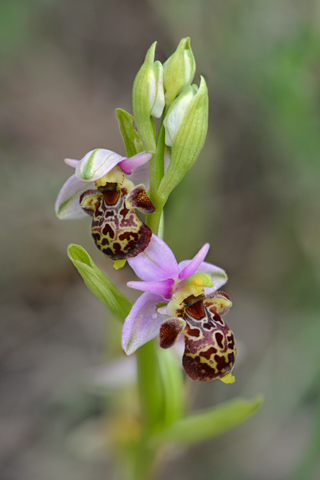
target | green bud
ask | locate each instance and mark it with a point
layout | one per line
(148, 98)
(177, 112)
(178, 70)
(186, 125)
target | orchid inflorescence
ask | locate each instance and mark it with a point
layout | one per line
(179, 298)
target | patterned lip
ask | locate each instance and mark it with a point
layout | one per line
(210, 348)
(209, 343)
(116, 229)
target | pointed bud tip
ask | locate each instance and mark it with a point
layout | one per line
(203, 83)
(151, 52)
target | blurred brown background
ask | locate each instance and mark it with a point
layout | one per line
(253, 194)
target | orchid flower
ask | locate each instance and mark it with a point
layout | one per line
(181, 298)
(103, 186)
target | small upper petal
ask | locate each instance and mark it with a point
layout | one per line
(140, 175)
(71, 162)
(142, 324)
(67, 204)
(129, 164)
(162, 287)
(189, 267)
(97, 163)
(156, 262)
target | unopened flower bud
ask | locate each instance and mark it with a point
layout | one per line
(148, 98)
(156, 92)
(177, 112)
(186, 125)
(178, 70)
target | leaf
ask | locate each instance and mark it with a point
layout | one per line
(98, 283)
(208, 424)
(129, 134)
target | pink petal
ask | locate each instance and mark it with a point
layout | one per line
(189, 267)
(141, 175)
(71, 162)
(67, 204)
(129, 164)
(218, 276)
(163, 310)
(162, 287)
(156, 262)
(142, 324)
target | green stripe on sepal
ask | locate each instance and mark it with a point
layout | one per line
(87, 170)
(98, 283)
(208, 424)
(131, 138)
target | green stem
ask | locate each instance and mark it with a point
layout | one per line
(151, 407)
(144, 462)
(149, 386)
(149, 375)
(153, 220)
(156, 164)
(156, 171)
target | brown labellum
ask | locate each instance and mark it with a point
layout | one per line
(116, 229)
(210, 348)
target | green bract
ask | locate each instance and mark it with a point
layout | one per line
(186, 125)
(178, 70)
(129, 133)
(148, 98)
(98, 283)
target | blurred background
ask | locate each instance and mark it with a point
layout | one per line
(253, 194)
